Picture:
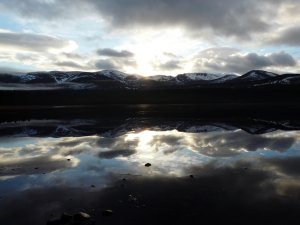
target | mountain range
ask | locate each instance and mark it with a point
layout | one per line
(107, 79)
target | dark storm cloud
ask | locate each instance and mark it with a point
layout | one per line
(289, 36)
(114, 53)
(32, 42)
(231, 60)
(239, 18)
(169, 65)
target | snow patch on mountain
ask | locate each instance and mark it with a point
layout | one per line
(202, 76)
(117, 75)
(161, 78)
(224, 78)
(25, 77)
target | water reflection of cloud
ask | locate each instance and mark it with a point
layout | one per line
(234, 142)
(116, 153)
(167, 149)
(221, 143)
(35, 165)
(232, 187)
(218, 193)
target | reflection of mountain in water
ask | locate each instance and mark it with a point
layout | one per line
(112, 126)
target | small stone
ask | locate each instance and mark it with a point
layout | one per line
(148, 164)
(107, 212)
(93, 186)
(81, 216)
(69, 159)
(66, 218)
(124, 179)
(36, 168)
(191, 176)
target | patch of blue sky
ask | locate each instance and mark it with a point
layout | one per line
(8, 22)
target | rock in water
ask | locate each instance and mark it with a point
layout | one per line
(107, 212)
(148, 164)
(81, 216)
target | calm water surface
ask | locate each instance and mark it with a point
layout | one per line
(213, 176)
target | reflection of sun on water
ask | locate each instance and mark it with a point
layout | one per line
(143, 137)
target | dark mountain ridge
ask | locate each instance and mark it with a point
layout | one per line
(114, 87)
(114, 78)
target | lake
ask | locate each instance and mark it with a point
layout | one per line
(143, 165)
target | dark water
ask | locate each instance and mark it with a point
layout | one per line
(203, 170)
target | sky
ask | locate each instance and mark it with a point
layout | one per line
(150, 37)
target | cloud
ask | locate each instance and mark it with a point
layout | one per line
(169, 65)
(104, 64)
(34, 42)
(114, 53)
(114, 63)
(11, 70)
(69, 64)
(194, 25)
(232, 60)
(231, 18)
(289, 36)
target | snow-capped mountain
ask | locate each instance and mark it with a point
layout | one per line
(255, 75)
(191, 77)
(106, 79)
(224, 79)
(119, 76)
(162, 78)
